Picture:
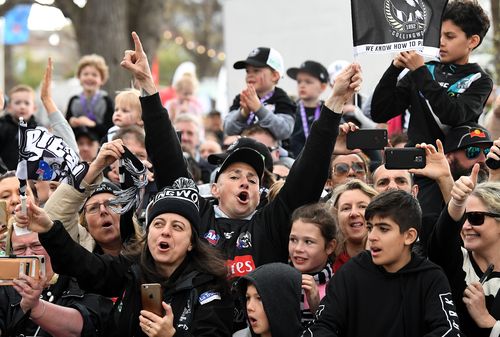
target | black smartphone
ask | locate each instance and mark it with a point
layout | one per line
(151, 298)
(367, 139)
(404, 158)
(492, 163)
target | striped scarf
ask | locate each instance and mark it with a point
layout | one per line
(322, 278)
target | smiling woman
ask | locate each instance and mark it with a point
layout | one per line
(191, 274)
(475, 291)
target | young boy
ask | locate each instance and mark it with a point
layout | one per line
(439, 95)
(92, 108)
(312, 79)
(262, 101)
(272, 296)
(388, 291)
(21, 104)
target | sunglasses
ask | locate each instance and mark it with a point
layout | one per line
(342, 169)
(472, 152)
(477, 218)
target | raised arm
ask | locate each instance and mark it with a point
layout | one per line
(162, 144)
(59, 124)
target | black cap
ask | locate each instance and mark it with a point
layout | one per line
(312, 68)
(246, 150)
(263, 57)
(83, 131)
(466, 135)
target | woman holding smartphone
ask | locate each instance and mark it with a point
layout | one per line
(196, 299)
(466, 244)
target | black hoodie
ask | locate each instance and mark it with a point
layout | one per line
(363, 299)
(435, 94)
(279, 287)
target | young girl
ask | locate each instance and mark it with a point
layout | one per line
(128, 111)
(186, 101)
(92, 108)
(312, 243)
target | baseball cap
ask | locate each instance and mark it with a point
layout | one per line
(466, 135)
(246, 150)
(312, 68)
(263, 57)
(335, 68)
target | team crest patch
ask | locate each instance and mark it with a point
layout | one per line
(208, 297)
(212, 237)
(244, 240)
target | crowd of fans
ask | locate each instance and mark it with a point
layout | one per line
(264, 223)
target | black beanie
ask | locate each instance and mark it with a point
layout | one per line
(181, 198)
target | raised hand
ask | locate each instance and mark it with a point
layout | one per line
(346, 84)
(411, 59)
(46, 89)
(30, 290)
(36, 219)
(461, 190)
(340, 144)
(136, 62)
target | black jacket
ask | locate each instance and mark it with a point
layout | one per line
(263, 238)
(363, 299)
(65, 292)
(9, 147)
(121, 277)
(445, 248)
(455, 93)
(279, 288)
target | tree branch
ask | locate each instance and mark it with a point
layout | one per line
(69, 9)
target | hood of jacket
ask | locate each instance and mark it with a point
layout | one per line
(279, 287)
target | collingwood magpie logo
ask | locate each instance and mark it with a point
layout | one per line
(407, 18)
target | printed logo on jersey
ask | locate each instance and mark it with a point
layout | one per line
(212, 237)
(240, 266)
(244, 240)
(451, 315)
(208, 297)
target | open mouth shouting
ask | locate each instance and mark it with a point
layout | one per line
(243, 197)
(163, 246)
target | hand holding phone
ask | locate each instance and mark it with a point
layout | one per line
(12, 268)
(151, 298)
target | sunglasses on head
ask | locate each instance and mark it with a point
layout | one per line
(477, 218)
(472, 152)
(341, 169)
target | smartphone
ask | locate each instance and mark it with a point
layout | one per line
(151, 298)
(492, 163)
(12, 267)
(404, 158)
(367, 139)
(4, 216)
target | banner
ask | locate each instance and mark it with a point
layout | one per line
(43, 156)
(16, 25)
(387, 26)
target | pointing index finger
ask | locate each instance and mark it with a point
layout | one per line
(137, 43)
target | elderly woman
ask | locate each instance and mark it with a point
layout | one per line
(466, 244)
(196, 299)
